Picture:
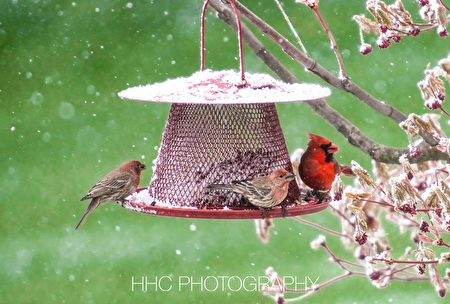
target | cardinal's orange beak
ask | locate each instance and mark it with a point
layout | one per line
(333, 148)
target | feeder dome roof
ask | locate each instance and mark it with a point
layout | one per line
(225, 87)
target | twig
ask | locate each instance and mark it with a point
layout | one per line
(340, 261)
(320, 227)
(393, 261)
(441, 242)
(291, 27)
(413, 222)
(343, 215)
(337, 53)
(444, 5)
(322, 285)
(430, 26)
(405, 278)
(386, 204)
(428, 209)
(411, 279)
(400, 270)
(347, 273)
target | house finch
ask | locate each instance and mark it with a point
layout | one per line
(115, 186)
(318, 168)
(262, 191)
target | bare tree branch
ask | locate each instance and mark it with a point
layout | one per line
(351, 132)
(310, 64)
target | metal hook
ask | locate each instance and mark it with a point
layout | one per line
(239, 31)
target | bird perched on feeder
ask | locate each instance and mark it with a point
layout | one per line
(115, 186)
(318, 168)
(262, 191)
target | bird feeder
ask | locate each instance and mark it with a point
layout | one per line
(222, 126)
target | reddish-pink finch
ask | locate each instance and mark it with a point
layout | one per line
(115, 186)
(262, 191)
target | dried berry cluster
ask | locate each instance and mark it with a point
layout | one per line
(432, 87)
(392, 22)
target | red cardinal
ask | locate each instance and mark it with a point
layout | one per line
(115, 186)
(318, 168)
(262, 191)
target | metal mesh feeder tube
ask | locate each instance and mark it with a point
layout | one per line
(219, 131)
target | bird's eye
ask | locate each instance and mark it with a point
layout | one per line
(325, 146)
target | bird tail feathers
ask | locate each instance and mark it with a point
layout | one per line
(219, 187)
(94, 204)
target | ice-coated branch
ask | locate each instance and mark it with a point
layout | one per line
(312, 65)
(351, 132)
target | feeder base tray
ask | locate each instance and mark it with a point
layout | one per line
(225, 213)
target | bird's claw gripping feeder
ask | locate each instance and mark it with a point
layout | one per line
(222, 126)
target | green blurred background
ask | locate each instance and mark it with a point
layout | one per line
(62, 127)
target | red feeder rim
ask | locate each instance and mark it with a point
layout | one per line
(225, 213)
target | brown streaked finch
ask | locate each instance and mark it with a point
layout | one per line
(115, 186)
(262, 191)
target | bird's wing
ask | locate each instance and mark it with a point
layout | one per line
(111, 183)
(310, 165)
(337, 167)
(346, 170)
(258, 187)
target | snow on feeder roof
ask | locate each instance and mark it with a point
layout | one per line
(224, 87)
(222, 127)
